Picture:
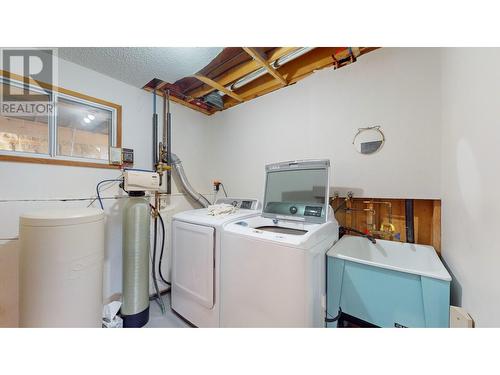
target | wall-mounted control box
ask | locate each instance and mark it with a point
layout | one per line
(115, 155)
(137, 180)
(121, 156)
(128, 156)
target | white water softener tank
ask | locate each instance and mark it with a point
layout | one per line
(61, 265)
(136, 233)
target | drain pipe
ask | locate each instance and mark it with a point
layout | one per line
(176, 164)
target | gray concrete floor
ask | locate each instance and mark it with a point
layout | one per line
(169, 320)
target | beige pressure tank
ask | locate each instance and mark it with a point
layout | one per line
(61, 265)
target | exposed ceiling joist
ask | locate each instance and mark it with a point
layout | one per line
(241, 71)
(161, 85)
(251, 74)
(217, 86)
(295, 70)
(180, 101)
(256, 56)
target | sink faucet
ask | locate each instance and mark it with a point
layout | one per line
(365, 235)
(387, 231)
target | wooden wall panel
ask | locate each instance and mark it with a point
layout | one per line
(360, 213)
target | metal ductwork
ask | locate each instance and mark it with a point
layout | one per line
(176, 164)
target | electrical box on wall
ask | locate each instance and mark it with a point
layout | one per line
(115, 156)
(128, 156)
(121, 156)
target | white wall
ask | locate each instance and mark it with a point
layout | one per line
(471, 178)
(318, 117)
(38, 183)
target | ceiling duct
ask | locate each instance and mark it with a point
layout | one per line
(214, 99)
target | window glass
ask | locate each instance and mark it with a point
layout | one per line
(83, 130)
(28, 133)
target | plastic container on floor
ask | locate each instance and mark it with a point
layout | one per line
(61, 265)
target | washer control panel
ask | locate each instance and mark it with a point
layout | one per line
(244, 204)
(295, 209)
(313, 211)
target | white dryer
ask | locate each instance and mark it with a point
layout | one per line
(196, 239)
(273, 265)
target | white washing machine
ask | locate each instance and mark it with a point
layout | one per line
(273, 265)
(196, 239)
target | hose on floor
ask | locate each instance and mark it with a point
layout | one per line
(161, 252)
(159, 300)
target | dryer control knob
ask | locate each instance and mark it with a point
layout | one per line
(293, 210)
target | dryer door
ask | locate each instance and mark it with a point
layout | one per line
(193, 261)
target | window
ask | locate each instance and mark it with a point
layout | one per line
(79, 132)
(83, 130)
(27, 134)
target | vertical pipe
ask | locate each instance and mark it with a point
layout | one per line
(169, 144)
(165, 116)
(155, 132)
(410, 227)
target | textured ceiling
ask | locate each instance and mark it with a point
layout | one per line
(137, 66)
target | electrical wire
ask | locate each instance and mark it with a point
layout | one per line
(106, 185)
(98, 191)
(109, 185)
(223, 189)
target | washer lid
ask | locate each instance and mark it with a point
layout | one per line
(61, 216)
(297, 190)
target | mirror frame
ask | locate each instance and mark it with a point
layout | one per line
(361, 130)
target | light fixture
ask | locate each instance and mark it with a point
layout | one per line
(275, 64)
(91, 117)
(87, 121)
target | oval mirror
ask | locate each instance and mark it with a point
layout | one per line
(368, 140)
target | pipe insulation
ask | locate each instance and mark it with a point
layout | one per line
(179, 169)
(155, 132)
(167, 139)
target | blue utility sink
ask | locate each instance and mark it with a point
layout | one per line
(387, 284)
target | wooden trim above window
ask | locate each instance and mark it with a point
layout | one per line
(55, 161)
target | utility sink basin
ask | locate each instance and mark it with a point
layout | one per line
(398, 256)
(387, 284)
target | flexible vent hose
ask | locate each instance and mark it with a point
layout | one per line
(177, 165)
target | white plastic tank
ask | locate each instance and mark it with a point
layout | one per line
(61, 265)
